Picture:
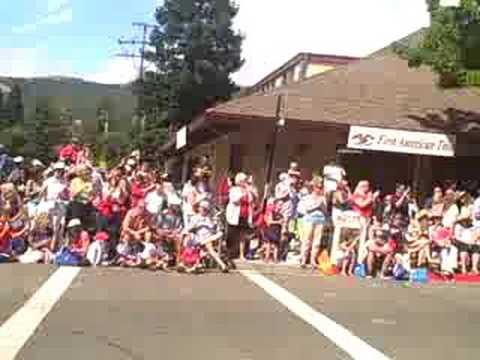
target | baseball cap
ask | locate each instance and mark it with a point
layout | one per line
(102, 236)
(18, 159)
(36, 162)
(74, 222)
(59, 166)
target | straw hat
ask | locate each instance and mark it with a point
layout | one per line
(82, 169)
(317, 181)
(465, 215)
(422, 214)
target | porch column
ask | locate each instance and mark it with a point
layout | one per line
(185, 166)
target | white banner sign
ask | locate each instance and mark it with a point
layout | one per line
(181, 137)
(409, 142)
(450, 3)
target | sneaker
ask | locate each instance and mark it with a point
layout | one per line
(181, 268)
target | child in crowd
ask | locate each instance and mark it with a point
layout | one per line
(19, 227)
(201, 234)
(349, 248)
(464, 240)
(153, 256)
(417, 236)
(402, 263)
(273, 230)
(378, 249)
(40, 240)
(98, 250)
(5, 232)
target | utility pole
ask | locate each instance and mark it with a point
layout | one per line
(141, 54)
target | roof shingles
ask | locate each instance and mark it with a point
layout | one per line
(379, 91)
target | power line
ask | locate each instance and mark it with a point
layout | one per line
(142, 44)
(140, 54)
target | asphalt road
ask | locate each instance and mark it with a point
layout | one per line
(117, 314)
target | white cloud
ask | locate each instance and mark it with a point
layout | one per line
(28, 62)
(59, 12)
(116, 71)
(342, 27)
(21, 29)
(56, 5)
(63, 17)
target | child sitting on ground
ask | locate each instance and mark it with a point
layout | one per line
(98, 250)
(349, 250)
(401, 263)
(153, 256)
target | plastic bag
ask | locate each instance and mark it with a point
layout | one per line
(325, 264)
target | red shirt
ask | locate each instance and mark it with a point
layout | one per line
(5, 233)
(105, 207)
(137, 193)
(244, 207)
(69, 152)
(366, 211)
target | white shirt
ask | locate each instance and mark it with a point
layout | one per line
(332, 175)
(476, 212)
(154, 202)
(54, 187)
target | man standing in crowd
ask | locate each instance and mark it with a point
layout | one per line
(54, 197)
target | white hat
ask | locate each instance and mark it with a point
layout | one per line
(74, 222)
(204, 204)
(59, 165)
(36, 162)
(240, 177)
(131, 162)
(18, 159)
(174, 200)
(283, 176)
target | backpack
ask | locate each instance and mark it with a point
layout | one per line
(190, 256)
(67, 257)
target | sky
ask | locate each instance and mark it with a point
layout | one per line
(79, 37)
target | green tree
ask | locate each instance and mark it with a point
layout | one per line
(451, 45)
(15, 104)
(196, 51)
(42, 148)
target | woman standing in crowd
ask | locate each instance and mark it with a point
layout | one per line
(314, 209)
(239, 214)
(362, 201)
(450, 209)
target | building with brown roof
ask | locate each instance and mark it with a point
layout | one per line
(379, 94)
(301, 67)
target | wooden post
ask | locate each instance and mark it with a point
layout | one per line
(271, 154)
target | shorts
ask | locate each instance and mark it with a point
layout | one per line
(469, 248)
(243, 224)
(273, 234)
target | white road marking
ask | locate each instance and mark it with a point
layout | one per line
(343, 338)
(16, 331)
